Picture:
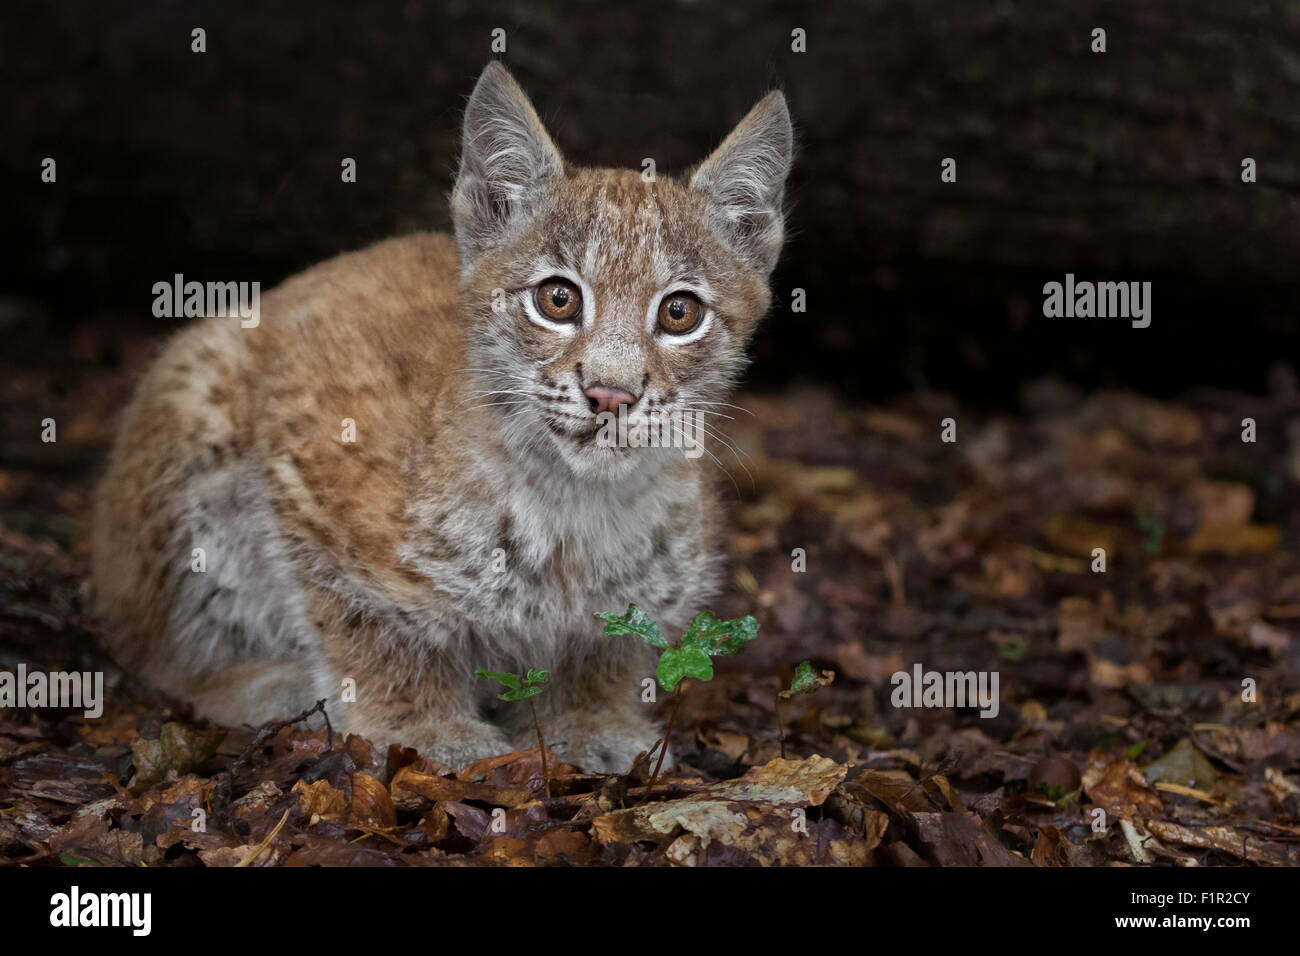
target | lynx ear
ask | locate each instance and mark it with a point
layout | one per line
(506, 161)
(745, 178)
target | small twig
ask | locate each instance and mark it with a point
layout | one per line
(263, 845)
(24, 860)
(273, 727)
(383, 834)
(269, 730)
(1202, 795)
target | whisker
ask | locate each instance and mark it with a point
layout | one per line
(714, 457)
(738, 408)
(734, 450)
(495, 404)
(703, 411)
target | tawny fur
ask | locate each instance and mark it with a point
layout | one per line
(472, 522)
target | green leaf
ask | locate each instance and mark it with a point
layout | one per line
(671, 668)
(518, 688)
(522, 693)
(806, 680)
(716, 637)
(1014, 649)
(509, 680)
(67, 859)
(676, 663)
(634, 621)
(697, 663)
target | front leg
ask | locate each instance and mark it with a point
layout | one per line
(406, 692)
(591, 712)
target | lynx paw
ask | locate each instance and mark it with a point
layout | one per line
(456, 743)
(598, 743)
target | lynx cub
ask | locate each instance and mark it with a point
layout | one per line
(394, 477)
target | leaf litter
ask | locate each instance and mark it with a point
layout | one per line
(1121, 691)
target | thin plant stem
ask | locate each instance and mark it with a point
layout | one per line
(541, 746)
(780, 727)
(668, 733)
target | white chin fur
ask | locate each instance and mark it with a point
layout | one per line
(589, 460)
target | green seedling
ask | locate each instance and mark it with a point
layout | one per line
(705, 638)
(1015, 649)
(525, 688)
(1150, 523)
(806, 681)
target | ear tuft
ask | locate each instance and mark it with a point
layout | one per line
(506, 160)
(745, 178)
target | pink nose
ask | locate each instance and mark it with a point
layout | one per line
(604, 399)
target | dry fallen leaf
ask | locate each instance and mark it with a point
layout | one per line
(1119, 787)
(320, 800)
(178, 748)
(412, 789)
(757, 815)
(371, 804)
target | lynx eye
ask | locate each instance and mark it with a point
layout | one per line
(679, 313)
(559, 300)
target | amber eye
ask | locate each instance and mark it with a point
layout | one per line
(560, 300)
(679, 313)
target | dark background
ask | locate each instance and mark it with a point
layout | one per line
(1120, 166)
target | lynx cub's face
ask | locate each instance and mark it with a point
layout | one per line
(591, 290)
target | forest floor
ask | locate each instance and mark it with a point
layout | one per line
(1146, 714)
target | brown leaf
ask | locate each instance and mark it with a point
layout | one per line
(1080, 625)
(411, 789)
(62, 777)
(1223, 504)
(1077, 535)
(520, 770)
(89, 835)
(176, 750)
(1225, 839)
(1236, 541)
(508, 851)
(435, 824)
(559, 846)
(371, 804)
(961, 839)
(1051, 849)
(1119, 787)
(756, 815)
(320, 799)
(471, 822)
